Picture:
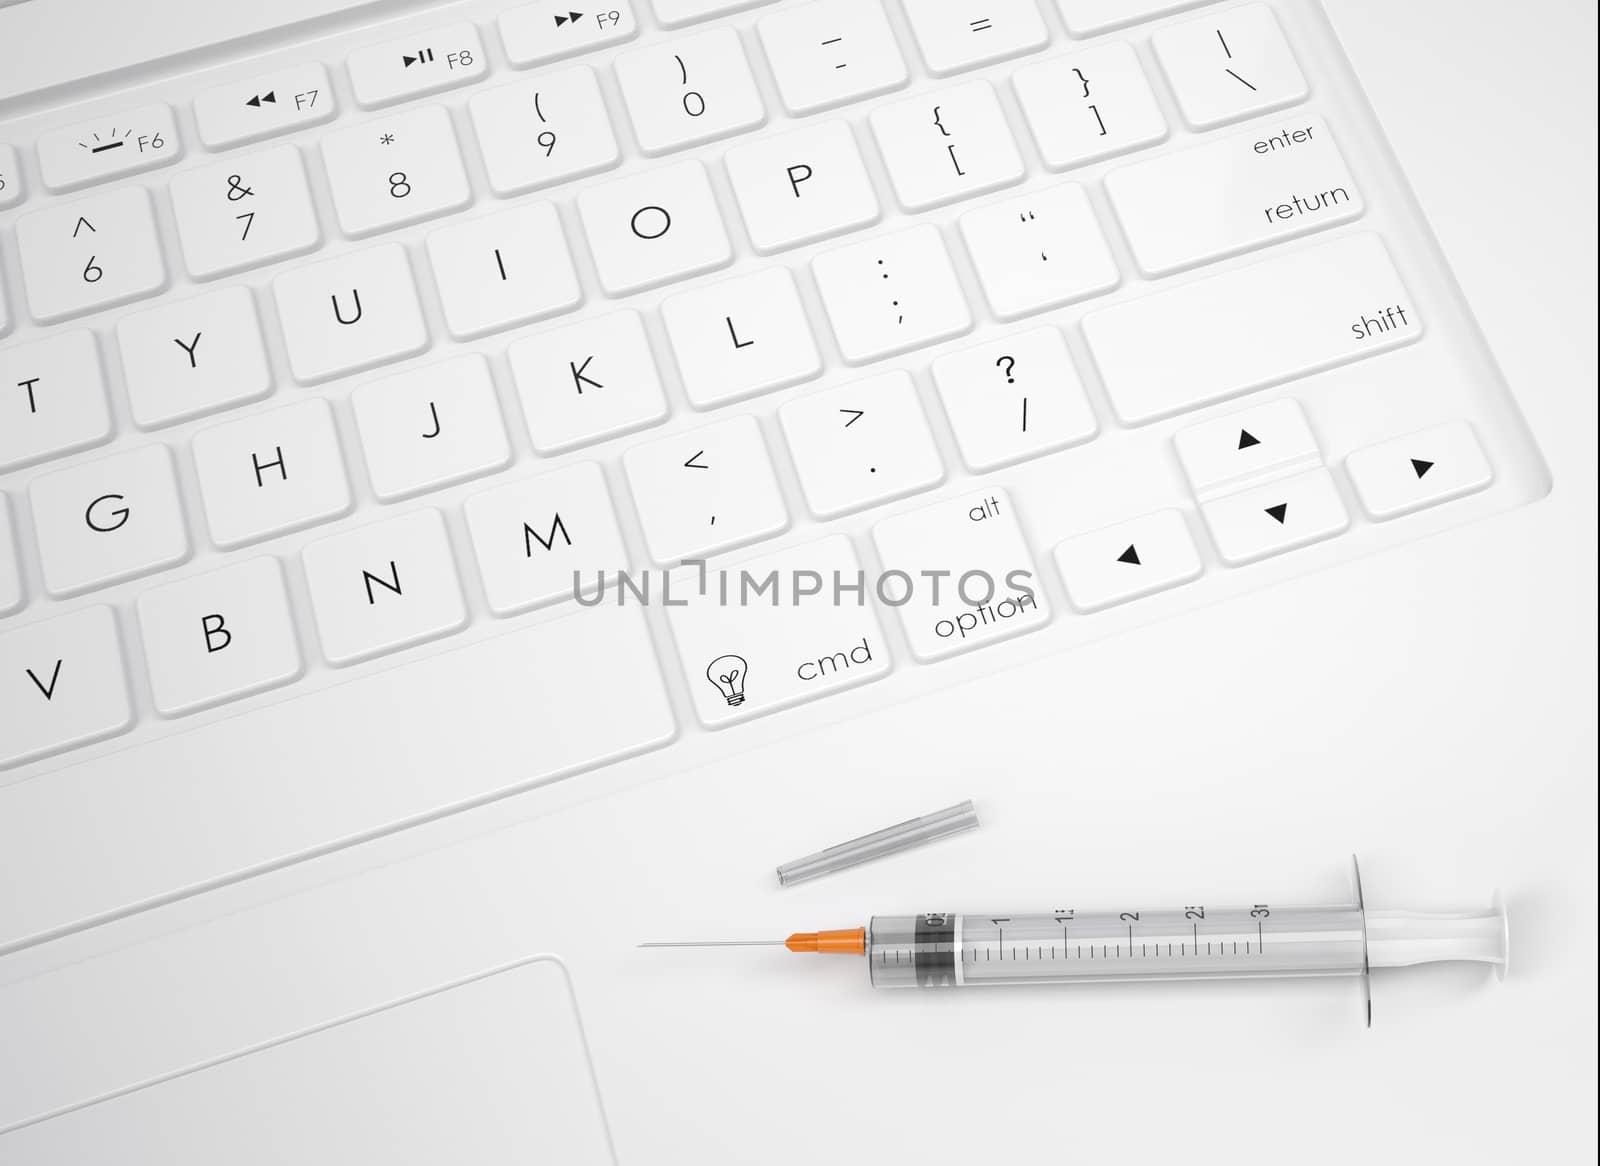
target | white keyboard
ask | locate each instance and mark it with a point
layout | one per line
(383, 340)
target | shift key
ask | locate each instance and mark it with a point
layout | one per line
(1298, 313)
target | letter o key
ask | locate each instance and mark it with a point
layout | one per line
(650, 222)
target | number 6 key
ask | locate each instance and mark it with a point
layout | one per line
(86, 255)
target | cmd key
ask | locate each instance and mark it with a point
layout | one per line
(798, 639)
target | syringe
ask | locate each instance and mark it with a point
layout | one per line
(1193, 942)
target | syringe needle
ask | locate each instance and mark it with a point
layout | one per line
(716, 943)
(852, 941)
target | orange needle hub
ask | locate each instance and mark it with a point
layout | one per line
(851, 941)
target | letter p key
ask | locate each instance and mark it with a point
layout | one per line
(798, 173)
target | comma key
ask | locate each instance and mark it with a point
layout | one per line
(960, 573)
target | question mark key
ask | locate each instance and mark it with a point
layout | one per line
(1014, 398)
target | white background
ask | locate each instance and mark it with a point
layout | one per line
(1238, 755)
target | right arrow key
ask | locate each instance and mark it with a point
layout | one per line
(1279, 516)
(1421, 469)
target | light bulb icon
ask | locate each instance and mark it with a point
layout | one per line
(728, 673)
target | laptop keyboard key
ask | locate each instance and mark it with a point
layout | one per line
(384, 587)
(829, 52)
(105, 521)
(97, 252)
(704, 491)
(428, 61)
(62, 685)
(1230, 452)
(1039, 250)
(786, 201)
(743, 336)
(264, 106)
(545, 130)
(271, 473)
(1089, 105)
(395, 170)
(502, 270)
(946, 145)
(1230, 66)
(860, 444)
(654, 227)
(1419, 470)
(349, 313)
(218, 637)
(587, 382)
(546, 31)
(430, 427)
(1128, 561)
(1309, 309)
(52, 398)
(684, 92)
(952, 39)
(193, 356)
(535, 538)
(970, 578)
(1279, 516)
(1014, 398)
(890, 294)
(1249, 190)
(783, 647)
(244, 212)
(109, 147)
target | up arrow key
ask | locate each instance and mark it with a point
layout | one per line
(1130, 556)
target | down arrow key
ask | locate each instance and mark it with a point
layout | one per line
(1254, 523)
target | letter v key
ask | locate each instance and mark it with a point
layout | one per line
(92, 704)
(49, 692)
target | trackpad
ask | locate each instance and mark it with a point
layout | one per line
(490, 1070)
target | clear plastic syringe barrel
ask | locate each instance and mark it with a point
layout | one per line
(951, 951)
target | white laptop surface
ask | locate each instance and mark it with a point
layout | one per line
(493, 1070)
